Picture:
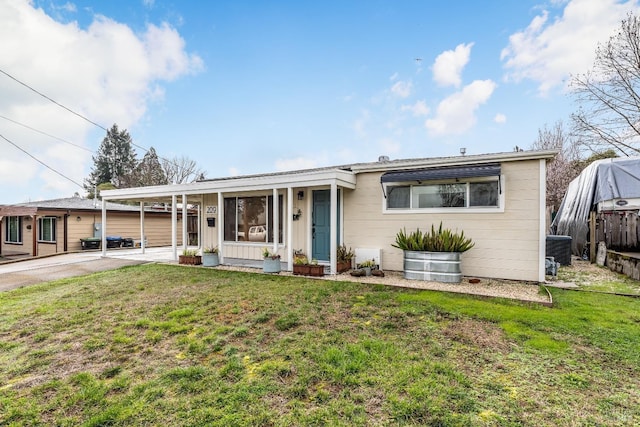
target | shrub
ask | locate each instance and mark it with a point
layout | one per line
(440, 240)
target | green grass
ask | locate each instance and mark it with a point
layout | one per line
(167, 345)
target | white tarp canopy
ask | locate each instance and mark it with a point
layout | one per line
(602, 180)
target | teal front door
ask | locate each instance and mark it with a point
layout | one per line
(321, 226)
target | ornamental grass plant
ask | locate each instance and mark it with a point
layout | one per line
(440, 240)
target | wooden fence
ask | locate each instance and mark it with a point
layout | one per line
(618, 229)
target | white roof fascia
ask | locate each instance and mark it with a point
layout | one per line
(454, 161)
(342, 178)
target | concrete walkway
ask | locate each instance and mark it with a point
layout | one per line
(30, 271)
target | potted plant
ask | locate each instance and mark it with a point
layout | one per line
(433, 255)
(367, 266)
(302, 266)
(210, 256)
(190, 257)
(343, 258)
(271, 262)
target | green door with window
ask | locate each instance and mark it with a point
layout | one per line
(321, 225)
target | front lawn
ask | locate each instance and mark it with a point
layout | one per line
(175, 346)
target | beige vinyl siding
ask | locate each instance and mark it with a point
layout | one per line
(83, 228)
(210, 234)
(157, 227)
(507, 243)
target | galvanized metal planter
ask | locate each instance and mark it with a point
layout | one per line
(271, 265)
(210, 259)
(432, 266)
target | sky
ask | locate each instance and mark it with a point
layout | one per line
(244, 87)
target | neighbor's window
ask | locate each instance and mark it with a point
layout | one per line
(47, 229)
(250, 219)
(13, 229)
(443, 195)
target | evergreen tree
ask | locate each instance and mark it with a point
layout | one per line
(150, 171)
(115, 161)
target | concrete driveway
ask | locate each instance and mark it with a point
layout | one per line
(37, 270)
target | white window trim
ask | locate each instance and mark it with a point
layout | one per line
(53, 229)
(465, 210)
(247, 243)
(6, 231)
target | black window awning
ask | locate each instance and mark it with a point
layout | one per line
(449, 172)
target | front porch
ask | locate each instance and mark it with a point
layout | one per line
(242, 217)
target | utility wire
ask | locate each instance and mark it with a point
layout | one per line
(55, 102)
(146, 150)
(47, 134)
(39, 161)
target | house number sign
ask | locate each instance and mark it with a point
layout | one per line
(211, 210)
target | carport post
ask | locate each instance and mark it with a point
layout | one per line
(174, 227)
(104, 228)
(221, 226)
(289, 222)
(333, 227)
(276, 224)
(142, 245)
(185, 240)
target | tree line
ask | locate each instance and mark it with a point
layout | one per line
(116, 165)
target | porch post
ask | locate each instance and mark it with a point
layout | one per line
(333, 227)
(142, 244)
(185, 239)
(174, 227)
(220, 226)
(289, 222)
(104, 228)
(276, 223)
(199, 225)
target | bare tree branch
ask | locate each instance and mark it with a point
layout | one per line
(609, 95)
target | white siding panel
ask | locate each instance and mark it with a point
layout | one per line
(507, 243)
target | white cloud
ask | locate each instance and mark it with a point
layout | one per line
(418, 109)
(402, 89)
(105, 72)
(549, 50)
(448, 66)
(394, 77)
(500, 118)
(456, 113)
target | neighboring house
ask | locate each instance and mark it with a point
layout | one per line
(54, 226)
(497, 199)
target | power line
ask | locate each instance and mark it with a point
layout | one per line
(55, 102)
(46, 134)
(146, 150)
(39, 161)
